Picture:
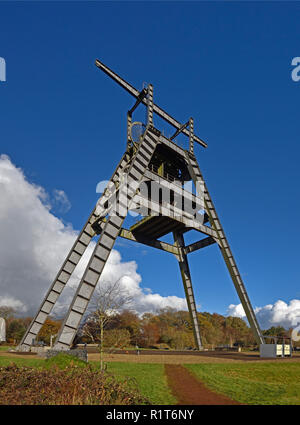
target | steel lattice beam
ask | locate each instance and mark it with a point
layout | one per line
(200, 244)
(134, 92)
(225, 249)
(187, 284)
(127, 234)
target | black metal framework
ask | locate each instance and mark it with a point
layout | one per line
(147, 162)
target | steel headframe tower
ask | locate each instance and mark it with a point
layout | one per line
(151, 180)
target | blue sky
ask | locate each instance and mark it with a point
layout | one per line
(227, 64)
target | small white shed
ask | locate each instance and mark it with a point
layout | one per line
(275, 350)
(2, 330)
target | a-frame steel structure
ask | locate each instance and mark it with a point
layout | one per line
(152, 163)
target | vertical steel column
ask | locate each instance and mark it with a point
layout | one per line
(225, 250)
(150, 105)
(188, 288)
(191, 127)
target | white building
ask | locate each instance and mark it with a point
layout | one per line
(2, 330)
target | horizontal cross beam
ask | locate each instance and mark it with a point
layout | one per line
(200, 244)
(164, 246)
(126, 234)
(134, 92)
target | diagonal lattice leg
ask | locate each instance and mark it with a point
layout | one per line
(225, 249)
(188, 288)
(65, 272)
(108, 236)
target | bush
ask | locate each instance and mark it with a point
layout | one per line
(73, 385)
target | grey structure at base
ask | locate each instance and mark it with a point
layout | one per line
(159, 164)
(78, 353)
(2, 330)
(275, 350)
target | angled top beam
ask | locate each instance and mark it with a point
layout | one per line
(134, 92)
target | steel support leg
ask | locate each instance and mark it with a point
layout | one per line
(78, 249)
(188, 288)
(225, 250)
(106, 241)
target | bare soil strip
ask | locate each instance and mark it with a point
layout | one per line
(167, 358)
(188, 390)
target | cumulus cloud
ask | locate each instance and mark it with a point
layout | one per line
(143, 298)
(17, 305)
(278, 314)
(34, 243)
(61, 200)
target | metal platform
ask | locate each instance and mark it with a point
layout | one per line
(154, 227)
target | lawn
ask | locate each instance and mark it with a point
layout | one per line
(4, 348)
(69, 382)
(248, 383)
(21, 361)
(252, 383)
(149, 379)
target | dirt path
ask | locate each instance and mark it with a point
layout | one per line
(188, 390)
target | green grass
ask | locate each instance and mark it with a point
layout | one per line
(6, 361)
(252, 383)
(248, 383)
(62, 361)
(5, 347)
(149, 379)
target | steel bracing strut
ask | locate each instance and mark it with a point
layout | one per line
(187, 284)
(225, 249)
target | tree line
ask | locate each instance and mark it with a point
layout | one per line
(167, 328)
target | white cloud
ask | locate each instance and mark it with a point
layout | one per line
(236, 311)
(6, 301)
(61, 200)
(34, 243)
(278, 314)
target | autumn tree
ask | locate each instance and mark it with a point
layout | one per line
(116, 338)
(16, 327)
(49, 328)
(181, 340)
(275, 331)
(150, 334)
(108, 300)
(130, 321)
(210, 329)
